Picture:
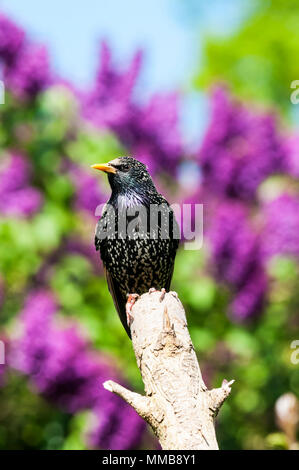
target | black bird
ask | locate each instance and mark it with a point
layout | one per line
(137, 235)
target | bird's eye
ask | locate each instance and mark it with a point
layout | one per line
(125, 168)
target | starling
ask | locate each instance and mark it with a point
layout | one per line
(137, 235)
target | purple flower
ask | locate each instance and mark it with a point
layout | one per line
(11, 39)
(292, 149)
(26, 67)
(107, 105)
(14, 173)
(88, 194)
(65, 369)
(116, 416)
(281, 226)
(150, 132)
(23, 202)
(240, 149)
(234, 245)
(17, 198)
(28, 356)
(250, 299)
(237, 260)
(55, 357)
(30, 72)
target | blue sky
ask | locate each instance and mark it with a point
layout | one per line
(170, 38)
(72, 29)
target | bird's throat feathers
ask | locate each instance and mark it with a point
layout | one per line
(128, 200)
(130, 194)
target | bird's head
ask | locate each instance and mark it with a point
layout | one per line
(126, 174)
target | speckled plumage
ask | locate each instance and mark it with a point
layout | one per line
(143, 256)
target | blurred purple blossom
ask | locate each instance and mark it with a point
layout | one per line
(233, 243)
(14, 173)
(240, 149)
(65, 370)
(17, 198)
(281, 226)
(292, 149)
(23, 202)
(11, 39)
(237, 259)
(30, 73)
(107, 105)
(150, 132)
(130, 428)
(250, 299)
(88, 193)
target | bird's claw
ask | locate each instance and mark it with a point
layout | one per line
(151, 290)
(129, 305)
(163, 292)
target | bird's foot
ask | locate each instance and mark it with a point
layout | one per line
(163, 292)
(129, 305)
(151, 290)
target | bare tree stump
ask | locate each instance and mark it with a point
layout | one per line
(177, 403)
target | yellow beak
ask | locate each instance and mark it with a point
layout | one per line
(104, 167)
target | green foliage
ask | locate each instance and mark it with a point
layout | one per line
(259, 61)
(31, 424)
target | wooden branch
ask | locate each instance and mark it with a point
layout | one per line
(177, 403)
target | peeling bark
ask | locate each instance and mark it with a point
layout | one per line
(177, 403)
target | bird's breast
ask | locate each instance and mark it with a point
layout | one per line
(137, 264)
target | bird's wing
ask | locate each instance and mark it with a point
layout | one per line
(174, 241)
(119, 300)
